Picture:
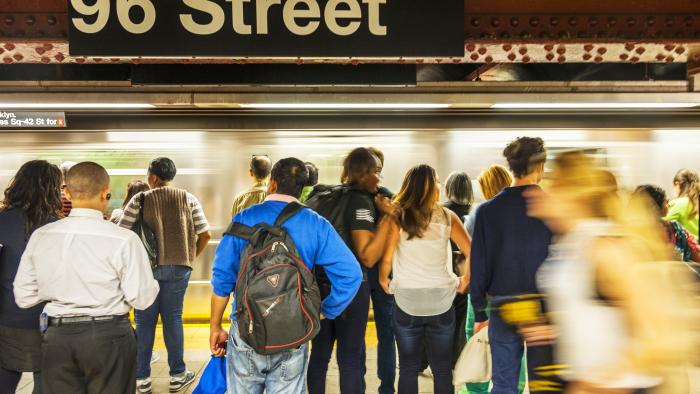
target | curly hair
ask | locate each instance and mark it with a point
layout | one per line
(36, 191)
(524, 154)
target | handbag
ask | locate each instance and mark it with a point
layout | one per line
(146, 234)
(474, 363)
(213, 380)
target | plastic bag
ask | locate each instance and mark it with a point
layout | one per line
(474, 364)
(213, 380)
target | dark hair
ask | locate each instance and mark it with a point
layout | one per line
(458, 188)
(260, 166)
(290, 175)
(36, 190)
(656, 194)
(313, 174)
(358, 163)
(85, 180)
(689, 183)
(416, 199)
(378, 153)
(132, 189)
(524, 154)
(163, 168)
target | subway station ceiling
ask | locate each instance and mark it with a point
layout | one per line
(495, 32)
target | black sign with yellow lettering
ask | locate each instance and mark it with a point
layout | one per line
(267, 28)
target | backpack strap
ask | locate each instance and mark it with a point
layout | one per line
(240, 230)
(290, 210)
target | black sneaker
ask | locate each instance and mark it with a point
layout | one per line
(178, 383)
(143, 386)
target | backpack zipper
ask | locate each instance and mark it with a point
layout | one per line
(274, 304)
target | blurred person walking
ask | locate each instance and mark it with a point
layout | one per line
(424, 284)
(89, 273)
(32, 200)
(684, 209)
(260, 167)
(317, 244)
(132, 189)
(617, 305)
(366, 235)
(182, 233)
(508, 248)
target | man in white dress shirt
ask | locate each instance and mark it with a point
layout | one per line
(91, 273)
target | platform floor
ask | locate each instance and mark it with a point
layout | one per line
(197, 354)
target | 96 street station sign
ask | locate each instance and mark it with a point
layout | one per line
(267, 28)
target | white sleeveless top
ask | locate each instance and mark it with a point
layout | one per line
(593, 335)
(423, 283)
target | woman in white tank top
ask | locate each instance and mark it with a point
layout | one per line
(423, 282)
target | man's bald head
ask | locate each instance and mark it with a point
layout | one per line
(86, 180)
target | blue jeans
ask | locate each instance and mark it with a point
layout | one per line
(383, 305)
(252, 373)
(506, 355)
(173, 281)
(413, 333)
(349, 332)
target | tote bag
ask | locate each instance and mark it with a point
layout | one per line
(213, 380)
(474, 364)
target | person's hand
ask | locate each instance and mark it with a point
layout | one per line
(538, 334)
(384, 205)
(385, 283)
(478, 326)
(218, 338)
(463, 286)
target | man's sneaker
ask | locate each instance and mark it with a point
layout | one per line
(181, 381)
(154, 357)
(143, 386)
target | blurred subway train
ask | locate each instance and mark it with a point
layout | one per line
(213, 164)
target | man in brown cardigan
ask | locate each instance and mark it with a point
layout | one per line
(182, 231)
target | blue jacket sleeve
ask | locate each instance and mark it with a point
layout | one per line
(341, 267)
(226, 265)
(480, 272)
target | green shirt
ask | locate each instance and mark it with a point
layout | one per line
(680, 210)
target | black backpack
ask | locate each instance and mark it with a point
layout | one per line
(278, 303)
(331, 202)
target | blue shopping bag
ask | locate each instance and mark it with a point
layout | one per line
(213, 380)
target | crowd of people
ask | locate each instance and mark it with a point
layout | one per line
(582, 288)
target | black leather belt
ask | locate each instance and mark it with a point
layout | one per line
(58, 321)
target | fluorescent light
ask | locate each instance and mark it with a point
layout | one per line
(592, 105)
(345, 106)
(75, 106)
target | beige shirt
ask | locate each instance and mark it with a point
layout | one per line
(85, 265)
(255, 195)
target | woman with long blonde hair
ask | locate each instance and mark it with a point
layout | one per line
(423, 282)
(616, 325)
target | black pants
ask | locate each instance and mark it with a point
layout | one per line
(348, 330)
(89, 358)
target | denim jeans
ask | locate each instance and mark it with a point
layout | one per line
(173, 281)
(412, 334)
(252, 373)
(383, 305)
(506, 354)
(349, 332)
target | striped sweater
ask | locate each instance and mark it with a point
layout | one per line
(176, 217)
